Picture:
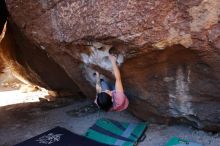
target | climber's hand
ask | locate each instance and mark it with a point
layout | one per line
(97, 75)
(112, 58)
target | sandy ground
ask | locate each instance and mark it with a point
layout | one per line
(24, 121)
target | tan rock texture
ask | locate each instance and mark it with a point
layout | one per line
(168, 52)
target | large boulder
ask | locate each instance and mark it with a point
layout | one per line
(168, 52)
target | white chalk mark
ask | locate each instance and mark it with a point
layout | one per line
(90, 77)
(180, 98)
(100, 57)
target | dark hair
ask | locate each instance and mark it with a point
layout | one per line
(104, 101)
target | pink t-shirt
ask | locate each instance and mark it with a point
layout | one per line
(120, 101)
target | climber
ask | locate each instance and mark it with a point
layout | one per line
(111, 98)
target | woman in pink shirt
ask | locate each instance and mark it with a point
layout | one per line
(111, 99)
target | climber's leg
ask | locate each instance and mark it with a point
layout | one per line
(104, 85)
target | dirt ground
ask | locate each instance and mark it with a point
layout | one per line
(22, 121)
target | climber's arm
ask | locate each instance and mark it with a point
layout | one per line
(98, 85)
(118, 83)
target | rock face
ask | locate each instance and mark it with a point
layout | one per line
(3, 18)
(168, 52)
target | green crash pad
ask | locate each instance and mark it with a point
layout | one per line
(117, 133)
(175, 141)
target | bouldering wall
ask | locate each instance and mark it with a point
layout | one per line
(168, 52)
